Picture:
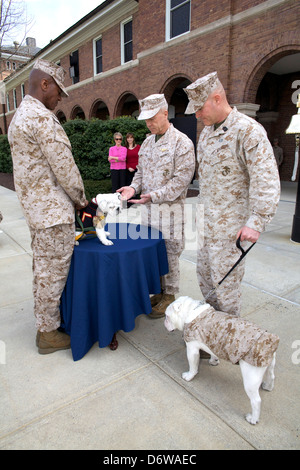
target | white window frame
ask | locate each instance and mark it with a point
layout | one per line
(168, 20)
(23, 90)
(95, 57)
(15, 98)
(123, 42)
(7, 102)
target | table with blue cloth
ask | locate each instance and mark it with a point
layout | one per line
(109, 286)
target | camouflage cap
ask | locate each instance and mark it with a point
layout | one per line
(199, 91)
(151, 105)
(55, 71)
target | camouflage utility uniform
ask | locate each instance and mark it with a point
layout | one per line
(48, 185)
(239, 185)
(165, 170)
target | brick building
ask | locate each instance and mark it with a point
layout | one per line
(125, 50)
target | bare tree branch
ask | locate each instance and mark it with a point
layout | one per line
(13, 16)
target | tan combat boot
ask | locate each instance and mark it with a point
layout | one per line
(51, 341)
(160, 308)
(155, 299)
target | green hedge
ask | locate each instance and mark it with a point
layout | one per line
(90, 144)
(5, 155)
(91, 141)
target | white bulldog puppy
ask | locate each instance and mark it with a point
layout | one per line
(227, 337)
(108, 204)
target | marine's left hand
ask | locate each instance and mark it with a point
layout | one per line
(144, 199)
(248, 234)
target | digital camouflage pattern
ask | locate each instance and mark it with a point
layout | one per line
(165, 170)
(238, 177)
(238, 185)
(52, 252)
(151, 105)
(47, 181)
(48, 185)
(214, 261)
(231, 338)
(199, 91)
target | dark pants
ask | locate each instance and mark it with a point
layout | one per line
(118, 179)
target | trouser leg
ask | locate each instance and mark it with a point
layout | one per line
(214, 261)
(52, 252)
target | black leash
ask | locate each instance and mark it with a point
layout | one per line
(244, 252)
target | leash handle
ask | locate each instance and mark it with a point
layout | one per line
(244, 252)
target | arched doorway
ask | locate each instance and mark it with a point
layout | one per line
(77, 113)
(127, 105)
(61, 117)
(174, 92)
(273, 86)
(99, 110)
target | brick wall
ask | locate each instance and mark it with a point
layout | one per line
(241, 51)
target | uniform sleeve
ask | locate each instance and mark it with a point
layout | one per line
(184, 168)
(264, 188)
(136, 183)
(56, 148)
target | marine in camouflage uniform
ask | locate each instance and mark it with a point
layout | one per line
(239, 188)
(166, 167)
(49, 187)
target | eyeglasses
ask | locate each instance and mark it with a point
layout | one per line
(117, 138)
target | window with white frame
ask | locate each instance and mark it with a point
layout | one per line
(7, 102)
(22, 90)
(178, 18)
(98, 64)
(15, 98)
(126, 41)
(74, 67)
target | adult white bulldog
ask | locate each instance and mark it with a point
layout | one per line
(108, 204)
(227, 337)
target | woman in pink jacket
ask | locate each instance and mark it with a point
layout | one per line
(117, 158)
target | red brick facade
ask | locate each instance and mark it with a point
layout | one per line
(241, 39)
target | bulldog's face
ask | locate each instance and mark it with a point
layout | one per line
(110, 204)
(175, 317)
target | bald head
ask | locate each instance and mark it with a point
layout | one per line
(35, 79)
(44, 88)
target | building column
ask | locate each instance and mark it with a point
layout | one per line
(249, 109)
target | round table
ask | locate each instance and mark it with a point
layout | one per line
(109, 286)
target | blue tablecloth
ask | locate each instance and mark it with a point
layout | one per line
(109, 286)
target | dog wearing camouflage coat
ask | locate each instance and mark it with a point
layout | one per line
(226, 337)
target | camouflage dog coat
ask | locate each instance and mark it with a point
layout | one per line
(232, 338)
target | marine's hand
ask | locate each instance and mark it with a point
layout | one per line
(248, 234)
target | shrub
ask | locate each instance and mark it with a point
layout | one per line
(6, 165)
(92, 188)
(90, 142)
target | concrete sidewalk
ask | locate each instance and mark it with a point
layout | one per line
(134, 398)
